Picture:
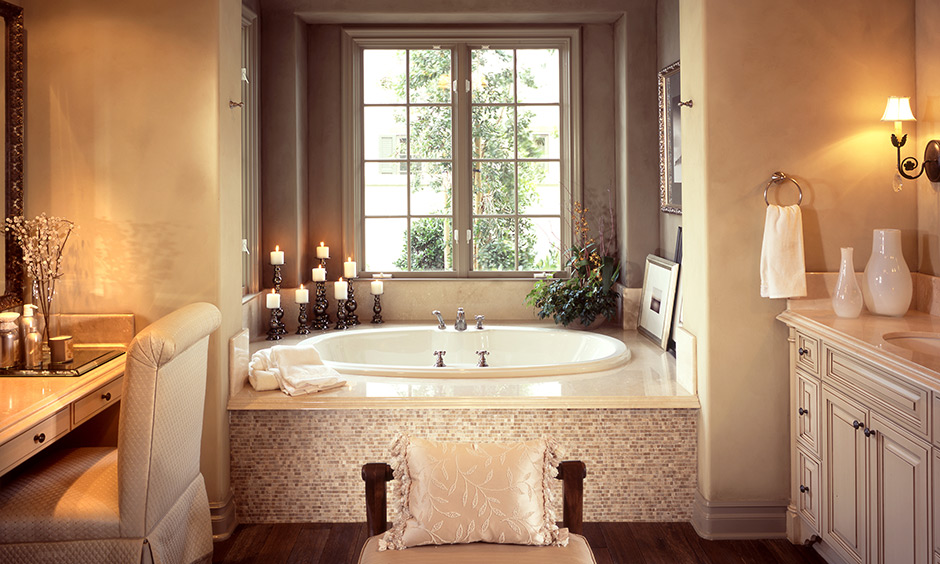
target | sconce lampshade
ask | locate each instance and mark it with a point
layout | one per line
(898, 109)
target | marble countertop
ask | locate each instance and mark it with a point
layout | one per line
(647, 380)
(864, 336)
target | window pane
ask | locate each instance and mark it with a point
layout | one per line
(540, 188)
(494, 132)
(429, 75)
(383, 76)
(432, 244)
(494, 188)
(384, 241)
(494, 243)
(538, 132)
(386, 189)
(491, 75)
(431, 132)
(538, 75)
(431, 188)
(540, 243)
(384, 132)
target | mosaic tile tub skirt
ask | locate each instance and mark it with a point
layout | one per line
(304, 465)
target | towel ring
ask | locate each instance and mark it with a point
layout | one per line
(777, 178)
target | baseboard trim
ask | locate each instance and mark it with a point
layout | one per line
(723, 520)
(223, 517)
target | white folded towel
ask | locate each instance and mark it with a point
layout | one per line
(295, 370)
(782, 268)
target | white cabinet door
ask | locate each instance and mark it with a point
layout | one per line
(846, 478)
(899, 474)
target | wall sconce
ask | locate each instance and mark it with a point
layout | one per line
(898, 110)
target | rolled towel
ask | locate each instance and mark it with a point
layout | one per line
(782, 267)
(295, 370)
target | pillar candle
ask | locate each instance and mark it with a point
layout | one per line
(319, 274)
(340, 288)
(377, 288)
(349, 268)
(302, 295)
(273, 300)
(277, 255)
(323, 252)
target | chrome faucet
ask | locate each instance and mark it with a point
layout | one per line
(440, 320)
(479, 319)
(461, 323)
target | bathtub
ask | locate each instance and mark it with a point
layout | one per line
(514, 352)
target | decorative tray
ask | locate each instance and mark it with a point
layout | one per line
(84, 361)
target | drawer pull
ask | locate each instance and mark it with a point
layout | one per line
(106, 397)
(802, 351)
(857, 425)
(804, 489)
(40, 438)
(869, 432)
(803, 411)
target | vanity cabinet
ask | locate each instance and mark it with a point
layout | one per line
(863, 466)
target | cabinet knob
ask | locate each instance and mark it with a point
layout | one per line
(803, 489)
(856, 424)
(40, 438)
(106, 397)
(869, 432)
(803, 411)
(802, 351)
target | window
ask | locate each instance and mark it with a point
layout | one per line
(461, 151)
(251, 195)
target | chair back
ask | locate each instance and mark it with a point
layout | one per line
(162, 407)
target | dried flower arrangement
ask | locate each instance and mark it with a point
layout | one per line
(42, 240)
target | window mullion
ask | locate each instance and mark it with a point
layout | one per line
(462, 176)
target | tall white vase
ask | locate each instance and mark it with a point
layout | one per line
(888, 285)
(847, 298)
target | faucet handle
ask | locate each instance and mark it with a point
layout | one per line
(479, 319)
(439, 363)
(482, 363)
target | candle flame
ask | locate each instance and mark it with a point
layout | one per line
(272, 291)
(277, 248)
(348, 259)
(340, 279)
(301, 286)
(321, 244)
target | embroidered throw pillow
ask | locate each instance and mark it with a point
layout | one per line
(449, 493)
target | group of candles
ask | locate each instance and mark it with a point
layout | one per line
(340, 287)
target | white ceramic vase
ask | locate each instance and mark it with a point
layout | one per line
(888, 285)
(847, 298)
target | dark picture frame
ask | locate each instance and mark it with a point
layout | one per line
(670, 140)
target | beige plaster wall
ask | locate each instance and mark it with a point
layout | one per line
(130, 135)
(926, 106)
(796, 86)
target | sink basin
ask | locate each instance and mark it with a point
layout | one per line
(917, 341)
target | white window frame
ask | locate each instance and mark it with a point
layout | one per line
(566, 38)
(251, 154)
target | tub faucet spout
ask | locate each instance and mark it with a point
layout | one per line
(440, 320)
(461, 323)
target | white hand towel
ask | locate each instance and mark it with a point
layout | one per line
(782, 267)
(295, 370)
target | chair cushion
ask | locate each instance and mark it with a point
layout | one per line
(576, 552)
(451, 493)
(70, 495)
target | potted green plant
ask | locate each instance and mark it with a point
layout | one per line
(587, 296)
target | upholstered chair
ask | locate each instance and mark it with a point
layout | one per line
(144, 501)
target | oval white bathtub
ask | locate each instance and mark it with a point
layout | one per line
(514, 351)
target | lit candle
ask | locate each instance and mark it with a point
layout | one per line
(349, 268)
(339, 289)
(302, 295)
(378, 288)
(323, 252)
(277, 255)
(319, 274)
(273, 300)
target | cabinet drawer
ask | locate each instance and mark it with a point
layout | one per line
(807, 353)
(936, 419)
(96, 401)
(808, 493)
(807, 414)
(902, 402)
(35, 439)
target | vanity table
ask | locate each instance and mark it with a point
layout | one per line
(36, 411)
(865, 436)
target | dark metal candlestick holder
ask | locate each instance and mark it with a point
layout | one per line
(351, 318)
(377, 309)
(278, 312)
(275, 326)
(303, 327)
(321, 319)
(277, 278)
(341, 315)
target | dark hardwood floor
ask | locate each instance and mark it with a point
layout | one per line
(612, 543)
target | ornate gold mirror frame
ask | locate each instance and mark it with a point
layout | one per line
(11, 294)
